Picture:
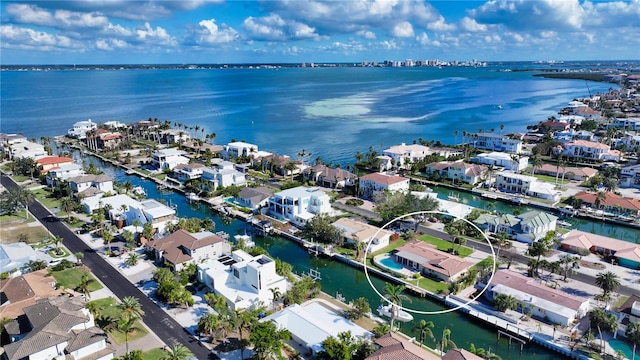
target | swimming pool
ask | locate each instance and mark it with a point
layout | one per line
(391, 264)
(622, 346)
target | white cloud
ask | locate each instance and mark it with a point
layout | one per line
(158, 36)
(210, 33)
(64, 19)
(274, 28)
(440, 25)
(469, 24)
(25, 38)
(403, 29)
(29, 14)
(366, 34)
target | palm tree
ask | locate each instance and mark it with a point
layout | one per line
(602, 320)
(535, 163)
(177, 352)
(608, 281)
(445, 340)
(127, 326)
(600, 197)
(569, 263)
(381, 329)
(132, 259)
(633, 335)
(395, 296)
(83, 287)
(503, 302)
(208, 323)
(276, 296)
(67, 204)
(130, 308)
(424, 327)
(57, 240)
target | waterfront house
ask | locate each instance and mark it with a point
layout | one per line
(100, 139)
(628, 124)
(403, 153)
(312, 322)
(238, 149)
(458, 171)
(122, 207)
(80, 129)
(627, 253)
(528, 185)
(571, 134)
(395, 345)
(630, 141)
(329, 177)
(555, 125)
(62, 173)
(526, 227)
(611, 203)
(145, 127)
(503, 160)
(187, 172)
(245, 281)
(223, 175)
(630, 176)
(174, 136)
(385, 163)
(571, 173)
(47, 163)
(27, 149)
(374, 183)
(168, 158)
(254, 198)
(7, 140)
(583, 149)
(299, 204)
(552, 305)
(353, 230)
(181, 248)
(82, 183)
(424, 257)
(460, 354)
(56, 328)
(496, 142)
(279, 165)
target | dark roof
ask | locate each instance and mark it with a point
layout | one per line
(396, 347)
(460, 354)
(174, 244)
(15, 289)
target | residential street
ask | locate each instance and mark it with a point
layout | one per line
(165, 327)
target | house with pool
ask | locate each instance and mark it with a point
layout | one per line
(627, 253)
(354, 230)
(430, 262)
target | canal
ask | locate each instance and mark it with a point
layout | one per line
(339, 278)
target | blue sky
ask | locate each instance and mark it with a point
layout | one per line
(296, 31)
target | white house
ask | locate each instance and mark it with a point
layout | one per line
(458, 171)
(80, 129)
(16, 257)
(373, 183)
(11, 139)
(186, 172)
(79, 184)
(239, 148)
(403, 152)
(299, 204)
(174, 136)
(182, 247)
(168, 158)
(27, 149)
(630, 176)
(57, 328)
(222, 175)
(528, 185)
(496, 142)
(63, 172)
(590, 150)
(628, 124)
(553, 305)
(354, 230)
(245, 281)
(527, 227)
(254, 198)
(503, 160)
(312, 322)
(123, 207)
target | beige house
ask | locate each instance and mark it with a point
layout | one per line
(431, 262)
(181, 248)
(371, 184)
(354, 230)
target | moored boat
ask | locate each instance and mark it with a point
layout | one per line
(399, 314)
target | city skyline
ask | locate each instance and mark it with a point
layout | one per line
(200, 31)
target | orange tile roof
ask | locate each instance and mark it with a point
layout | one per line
(385, 179)
(50, 160)
(611, 200)
(589, 144)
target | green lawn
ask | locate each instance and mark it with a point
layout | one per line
(108, 310)
(444, 245)
(20, 178)
(64, 253)
(154, 354)
(44, 197)
(71, 278)
(430, 285)
(551, 179)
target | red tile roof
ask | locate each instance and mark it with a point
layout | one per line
(50, 160)
(396, 347)
(611, 200)
(385, 179)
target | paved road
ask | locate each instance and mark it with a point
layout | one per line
(163, 325)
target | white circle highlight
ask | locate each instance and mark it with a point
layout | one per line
(364, 263)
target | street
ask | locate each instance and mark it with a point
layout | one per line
(163, 325)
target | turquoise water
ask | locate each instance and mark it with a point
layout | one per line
(624, 347)
(330, 112)
(390, 263)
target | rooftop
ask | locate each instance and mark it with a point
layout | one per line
(385, 179)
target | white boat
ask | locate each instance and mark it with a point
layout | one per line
(246, 239)
(139, 190)
(563, 224)
(568, 210)
(193, 197)
(453, 197)
(400, 314)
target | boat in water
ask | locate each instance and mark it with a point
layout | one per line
(453, 197)
(245, 239)
(399, 314)
(568, 210)
(139, 190)
(563, 224)
(192, 197)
